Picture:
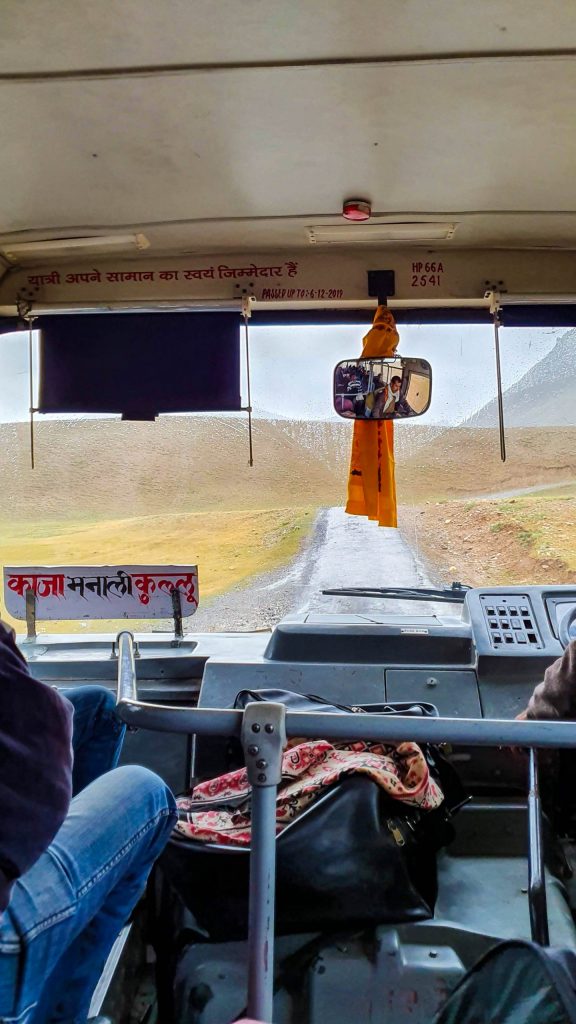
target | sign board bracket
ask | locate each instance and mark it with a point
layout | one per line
(177, 615)
(115, 653)
(31, 616)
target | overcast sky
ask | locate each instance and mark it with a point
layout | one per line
(291, 367)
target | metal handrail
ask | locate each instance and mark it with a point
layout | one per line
(377, 728)
(537, 900)
(127, 683)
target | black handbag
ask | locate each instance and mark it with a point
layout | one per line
(354, 857)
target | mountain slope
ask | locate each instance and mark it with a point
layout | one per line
(90, 470)
(109, 468)
(544, 396)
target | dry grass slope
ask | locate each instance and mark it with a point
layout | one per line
(228, 547)
(464, 462)
(108, 469)
(517, 540)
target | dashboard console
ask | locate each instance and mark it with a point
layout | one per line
(481, 662)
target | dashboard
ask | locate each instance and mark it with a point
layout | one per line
(481, 663)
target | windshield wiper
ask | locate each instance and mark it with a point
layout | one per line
(450, 595)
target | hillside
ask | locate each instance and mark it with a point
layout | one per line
(464, 462)
(106, 469)
(544, 396)
(524, 540)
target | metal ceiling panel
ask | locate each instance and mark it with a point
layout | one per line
(52, 35)
(289, 143)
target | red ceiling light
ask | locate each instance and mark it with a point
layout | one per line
(357, 209)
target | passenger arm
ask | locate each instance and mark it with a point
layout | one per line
(35, 764)
(555, 697)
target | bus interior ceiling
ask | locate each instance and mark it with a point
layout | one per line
(197, 156)
(211, 129)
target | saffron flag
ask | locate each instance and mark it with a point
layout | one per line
(371, 483)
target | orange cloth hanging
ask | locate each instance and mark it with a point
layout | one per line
(371, 483)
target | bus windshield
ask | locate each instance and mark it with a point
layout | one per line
(268, 539)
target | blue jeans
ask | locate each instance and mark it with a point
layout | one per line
(97, 736)
(67, 911)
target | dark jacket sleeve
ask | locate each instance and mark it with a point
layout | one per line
(555, 697)
(35, 765)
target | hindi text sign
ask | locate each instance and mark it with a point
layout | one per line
(101, 591)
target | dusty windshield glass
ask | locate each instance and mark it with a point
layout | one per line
(269, 538)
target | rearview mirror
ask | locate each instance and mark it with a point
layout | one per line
(382, 389)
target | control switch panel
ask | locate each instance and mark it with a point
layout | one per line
(510, 621)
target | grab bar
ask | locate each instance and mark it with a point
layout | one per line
(536, 876)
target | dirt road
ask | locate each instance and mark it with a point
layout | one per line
(342, 551)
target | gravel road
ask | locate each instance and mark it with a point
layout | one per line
(342, 551)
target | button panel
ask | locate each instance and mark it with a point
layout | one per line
(510, 621)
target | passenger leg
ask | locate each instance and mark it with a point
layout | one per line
(97, 736)
(66, 913)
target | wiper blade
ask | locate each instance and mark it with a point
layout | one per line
(449, 595)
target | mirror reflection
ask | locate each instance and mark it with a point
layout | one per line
(382, 389)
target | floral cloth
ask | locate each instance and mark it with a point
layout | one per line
(218, 811)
